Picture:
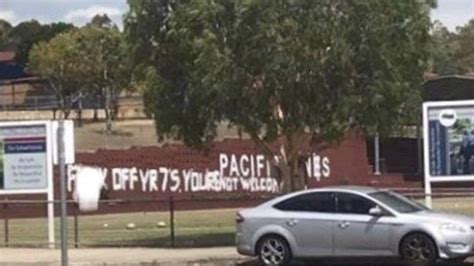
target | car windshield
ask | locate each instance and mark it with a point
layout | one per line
(398, 202)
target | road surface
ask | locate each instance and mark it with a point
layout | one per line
(220, 256)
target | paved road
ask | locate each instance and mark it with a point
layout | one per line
(225, 256)
(348, 262)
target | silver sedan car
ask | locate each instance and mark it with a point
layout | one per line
(351, 222)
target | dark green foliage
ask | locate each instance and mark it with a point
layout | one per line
(279, 69)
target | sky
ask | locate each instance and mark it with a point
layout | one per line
(451, 13)
(78, 12)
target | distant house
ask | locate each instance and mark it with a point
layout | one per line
(18, 89)
(21, 91)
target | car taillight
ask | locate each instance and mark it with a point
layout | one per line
(239, 218)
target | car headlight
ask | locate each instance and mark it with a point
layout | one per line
(449, 227)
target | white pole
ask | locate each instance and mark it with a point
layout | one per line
(50, 197)
(51, 218)
(426, 158)
(62, 179)
(428, 199)
(377, 154)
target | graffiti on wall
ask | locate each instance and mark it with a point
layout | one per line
(246, 173)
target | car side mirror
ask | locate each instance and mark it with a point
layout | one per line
(376, 211)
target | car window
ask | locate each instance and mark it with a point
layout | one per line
(309, 202)
(353, 204)
(398, 202)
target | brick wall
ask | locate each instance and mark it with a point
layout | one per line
(345, 163)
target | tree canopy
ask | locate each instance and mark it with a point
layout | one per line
(278, 70)
(23, 36)
(452, 52)
(5, 29)
(90, 60)
(464, 54)
(57, 61)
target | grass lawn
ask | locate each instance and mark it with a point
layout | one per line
(192, 228)
(455, 205)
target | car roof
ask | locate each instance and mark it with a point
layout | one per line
(357, 189)
(354, 189)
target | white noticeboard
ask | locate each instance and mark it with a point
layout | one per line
(25, 157)
(27, 150)
(448, 140)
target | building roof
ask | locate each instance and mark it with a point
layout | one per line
(7, 56)
(449, 88)
(9, 71)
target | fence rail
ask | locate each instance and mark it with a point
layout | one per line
(164, 222)
(152, 222)
(51, 102)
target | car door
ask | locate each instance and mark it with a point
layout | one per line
(309, 219)
(356, 233)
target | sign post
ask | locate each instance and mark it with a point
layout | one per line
(63, 153)
(448, 136)
(62, 178)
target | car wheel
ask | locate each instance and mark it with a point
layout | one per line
(418, 249)
(273, 250)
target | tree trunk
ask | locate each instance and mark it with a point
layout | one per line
(108, 105)
(66, 112)
(79, 110)
(95, 116)
(286, 182)
(291, 175)
(286, 162)
(107, 109)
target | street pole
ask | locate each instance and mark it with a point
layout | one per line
(62, 178)
(377, 154)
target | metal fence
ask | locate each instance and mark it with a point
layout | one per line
(145, 223)
(51, 102)
(166, 222)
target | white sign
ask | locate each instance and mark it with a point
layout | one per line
(23, 157)
(448, 136)
(447, 117)
(26, 162)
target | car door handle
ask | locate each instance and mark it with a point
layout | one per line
(344, 224)
(291, 222)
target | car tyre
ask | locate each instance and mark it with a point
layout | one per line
(273, 250)
(418, 249)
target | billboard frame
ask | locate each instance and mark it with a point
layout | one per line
(428, 178)
(49, 190)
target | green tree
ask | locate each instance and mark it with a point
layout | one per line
(102, 21)
(464, 53)
(295, 73)
(87, 61)
(105, 60)
(27, 33)
(58, 61)
(443, 50)
(452, 52)
(5, 29)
